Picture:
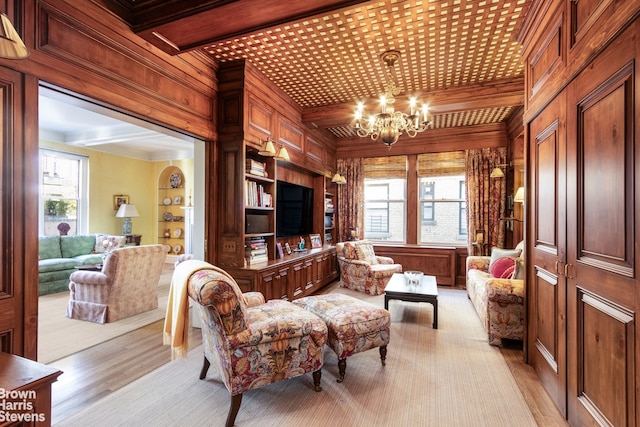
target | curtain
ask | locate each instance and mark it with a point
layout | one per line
(350, 199)
(486, 197)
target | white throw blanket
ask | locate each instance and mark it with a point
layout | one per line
(176, 321)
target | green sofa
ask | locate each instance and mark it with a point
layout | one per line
(58, 256)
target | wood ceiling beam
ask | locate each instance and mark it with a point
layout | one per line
(495, 94)
(176, 26)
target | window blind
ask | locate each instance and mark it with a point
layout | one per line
(385, 167)
(441, 164)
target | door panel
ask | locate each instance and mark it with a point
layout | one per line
(18, 166)
(546, 287)
(601, 263)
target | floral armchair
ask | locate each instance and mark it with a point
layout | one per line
(362, 270)
(127, 285)
(252, 343)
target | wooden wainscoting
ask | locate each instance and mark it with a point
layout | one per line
(447, 263)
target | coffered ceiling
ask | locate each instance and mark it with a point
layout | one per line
(459, 56)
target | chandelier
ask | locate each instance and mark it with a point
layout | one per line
(389, 124)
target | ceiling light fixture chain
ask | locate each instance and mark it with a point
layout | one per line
(389, 124)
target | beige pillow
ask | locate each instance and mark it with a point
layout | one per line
(365, 252)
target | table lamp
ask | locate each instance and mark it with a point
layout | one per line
(127, 212)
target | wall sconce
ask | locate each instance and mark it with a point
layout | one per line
(497, 171)
(267, 149)
(283, 154)
(11, 45)
(338, 179)
(519, 196)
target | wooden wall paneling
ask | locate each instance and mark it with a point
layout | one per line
(546, 250)
(602, 265)
(548, 57)
(260, 120)
(461, 267)
(434, 261)
(230, 242)
(315, 151)
(101, 59)
(12, 216)
(290, 136)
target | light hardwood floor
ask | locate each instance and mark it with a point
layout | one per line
(94, 373)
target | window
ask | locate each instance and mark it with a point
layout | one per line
(63, 192)
(441, 182)
(385, 198)
(426, 193)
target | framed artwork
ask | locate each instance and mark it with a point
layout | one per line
(120, 199)
(316, 240)
(287, 248)
(280, 251)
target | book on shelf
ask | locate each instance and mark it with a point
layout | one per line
(255, 167)
(255, 196)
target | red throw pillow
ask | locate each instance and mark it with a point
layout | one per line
(503, 268)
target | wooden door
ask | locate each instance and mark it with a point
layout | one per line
(601, 259)
(19, 214)
(546, 287)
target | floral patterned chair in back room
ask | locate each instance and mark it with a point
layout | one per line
(362, 270)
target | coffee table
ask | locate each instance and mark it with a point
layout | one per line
(426, 291)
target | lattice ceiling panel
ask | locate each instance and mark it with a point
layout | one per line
(336, 58)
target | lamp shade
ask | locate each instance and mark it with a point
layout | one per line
(267, 149)
(497, 173)
(519, 196)
(11, 45)
(283, 154)
(127, 211)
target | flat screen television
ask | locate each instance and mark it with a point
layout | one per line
(294, 209)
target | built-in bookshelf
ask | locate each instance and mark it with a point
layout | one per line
(329, 218)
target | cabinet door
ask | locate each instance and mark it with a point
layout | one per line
(268, 285)
(281, 283)
(296, 280)
(602, 214)
(546, 247)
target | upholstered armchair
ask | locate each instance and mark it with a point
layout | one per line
(362, 270)
(252, 343)
(127, 285)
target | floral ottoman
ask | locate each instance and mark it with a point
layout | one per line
(354, 325)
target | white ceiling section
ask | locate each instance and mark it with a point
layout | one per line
(66, 119)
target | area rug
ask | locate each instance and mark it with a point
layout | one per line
(433, 377)
(59, 336)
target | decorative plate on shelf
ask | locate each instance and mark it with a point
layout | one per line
(175, 180)
(167, 200)
(177, 200)
(177, 249)
(177, 232)
(168, 216)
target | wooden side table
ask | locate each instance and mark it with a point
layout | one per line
(133, 239)
(25, 391)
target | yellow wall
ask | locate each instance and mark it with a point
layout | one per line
(110, 175)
